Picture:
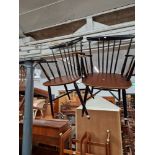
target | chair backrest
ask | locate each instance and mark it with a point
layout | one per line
(64, 60)
(110, 54)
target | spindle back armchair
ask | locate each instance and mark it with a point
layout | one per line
(63, 68)
(109, 65)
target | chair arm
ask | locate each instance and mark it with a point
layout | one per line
(85, 55)
(125, 62)
(130, 56)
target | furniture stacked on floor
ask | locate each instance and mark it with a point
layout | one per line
(39, 106)
(128, 129)
(128, 137)
(68, 107)
(50, 132)
(107, 65)
(39, 103)
(86, 143)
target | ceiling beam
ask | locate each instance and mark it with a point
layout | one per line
(116, 17)
(60, 30)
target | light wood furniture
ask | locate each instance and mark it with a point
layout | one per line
(74, 99)
(38, 105)
(104, 116)
(50, 132)
(86, 141)
(110, 99)
(37, 91)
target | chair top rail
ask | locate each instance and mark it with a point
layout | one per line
(67, 44)
(114, 37)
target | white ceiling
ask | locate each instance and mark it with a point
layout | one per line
(27, 5)
(40, 14)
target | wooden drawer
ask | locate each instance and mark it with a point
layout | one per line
(47, 131)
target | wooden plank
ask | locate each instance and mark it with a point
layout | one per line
(37, 91)
(116, 17)
(64, 29)
(41, 92)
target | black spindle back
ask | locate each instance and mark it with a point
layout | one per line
(110, 54)
(64, 60)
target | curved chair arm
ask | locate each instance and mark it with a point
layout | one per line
(130, 68)
(131, 71)
(84, 55)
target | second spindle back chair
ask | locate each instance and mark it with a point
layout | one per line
(109, 65)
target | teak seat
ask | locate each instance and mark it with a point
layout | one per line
(109, 65)
(108, 81)
(61, 81)
(63, 68)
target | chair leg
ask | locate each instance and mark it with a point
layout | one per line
(42, 114)
(119, 94)
(85, 97)
(67, 92)
(51, 101)
(124, 103)
(34, 113)
(92, 89)
(81, 100)
(91, 92)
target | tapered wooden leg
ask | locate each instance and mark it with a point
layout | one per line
(91, 92)
(51, 101)
(67, 92)
(85, 97)
(81, 100)
(119, 94)
(124, 103)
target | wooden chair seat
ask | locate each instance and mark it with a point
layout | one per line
(107, 81)
(62, 80)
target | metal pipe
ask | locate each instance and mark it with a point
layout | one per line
(28, 116)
